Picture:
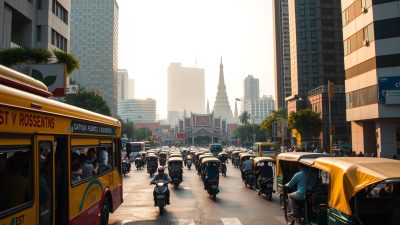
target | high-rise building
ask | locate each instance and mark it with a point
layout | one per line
(131, 89)
(186, 91)
(221, 105)
(371, 37)
(35, 24)
(251, 88)
(316, 50)
(137, 110)
(123, 84)
(283, 87)
(94, 41)
(261, 108)
(316, 56)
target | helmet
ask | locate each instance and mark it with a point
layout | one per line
(160, 168)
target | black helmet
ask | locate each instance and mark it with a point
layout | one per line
(160, 168)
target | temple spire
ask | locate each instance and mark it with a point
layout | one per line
(208, 107)
(221, 105)
(236, 111)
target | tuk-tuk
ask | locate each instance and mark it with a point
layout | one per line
(264, 183)
(175, 155)
(362, 190)
(243, 157)
(210, 175)
(162, 158)
(175, 170)
(235, 158)
(287, 166)
(223, 156)
(152, 163)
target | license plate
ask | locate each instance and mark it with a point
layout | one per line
(214, 186)
(160, 196)
(269, 185)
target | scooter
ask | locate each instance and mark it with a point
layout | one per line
(212, 188)
(189, 163)
(266, 187)
(176, 178)
(138, 163)
(152, 170)
(161, 189)
(126, 166)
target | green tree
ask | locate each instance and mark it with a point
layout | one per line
(143, 134)
(306, 122)
(90, 101)
(275, 116)
(244, 118)
(127, 129)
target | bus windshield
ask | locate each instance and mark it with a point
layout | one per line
(215, 149)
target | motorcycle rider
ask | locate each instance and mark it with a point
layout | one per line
(161, 175)
(151, 163)
(302, 180)
(210, 172)
(247, 167)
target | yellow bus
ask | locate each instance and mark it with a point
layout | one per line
(264, 149)
(59, 164)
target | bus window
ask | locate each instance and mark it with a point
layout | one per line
(16, 174)
(89, 161)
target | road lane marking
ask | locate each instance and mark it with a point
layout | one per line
(231, 221)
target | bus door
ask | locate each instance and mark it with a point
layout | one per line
(45, 147)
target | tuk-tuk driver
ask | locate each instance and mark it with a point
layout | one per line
(247, 166)
(210, 171)
(301, 180)
(265, 171)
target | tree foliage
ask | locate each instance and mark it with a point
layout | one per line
(275, 116)
(244, 118)
(16, 56)
(306, 122)
(90, 101)
(127, 129)
(245, 133)
(142, 134)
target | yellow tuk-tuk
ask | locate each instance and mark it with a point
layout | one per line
(175, 170)
(287, 166)
(356, 190)
(243, 157)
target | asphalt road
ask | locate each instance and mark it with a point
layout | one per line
(190, 203)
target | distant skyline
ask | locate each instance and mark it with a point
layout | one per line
(155, 33)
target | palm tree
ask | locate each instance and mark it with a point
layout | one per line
(244, 118)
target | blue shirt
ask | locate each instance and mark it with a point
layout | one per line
(247, 165)
(299, 180)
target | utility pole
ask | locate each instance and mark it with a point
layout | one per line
(331, 88)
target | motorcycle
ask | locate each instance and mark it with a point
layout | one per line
(152, 169)
(212, 188)
(176, 178)
(266, 187)
(223, 169)
(249, 179)
(160, 190)
(126, 166)
(189, 163)
(138, 163)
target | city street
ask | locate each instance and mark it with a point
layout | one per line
(190, 203)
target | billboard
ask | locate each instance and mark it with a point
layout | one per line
(54, 76)
(388, 88)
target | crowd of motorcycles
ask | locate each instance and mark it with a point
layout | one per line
(208, 166)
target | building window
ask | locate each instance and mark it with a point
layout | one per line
(38, 33)
(39, 4)
(361, 97)
(60, 11)
(59, 41)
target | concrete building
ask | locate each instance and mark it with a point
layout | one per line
(283, 87)
(316, 54)
(35, 24)
(251, 88)
(131, 89)
(94, 41)
(186, 91)
(137, 110)
(261, 108)
(221, 105)
(371, 37)
(123, 84)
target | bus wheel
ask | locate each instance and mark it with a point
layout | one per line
(105, 212)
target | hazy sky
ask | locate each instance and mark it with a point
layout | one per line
(153, 33)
